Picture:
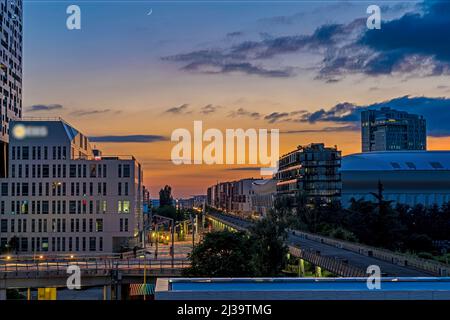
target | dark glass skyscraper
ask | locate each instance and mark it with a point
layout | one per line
(391, 130)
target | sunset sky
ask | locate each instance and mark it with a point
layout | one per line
(141, 69)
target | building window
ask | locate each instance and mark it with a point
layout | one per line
(92, 244)
(126, 207)
(126, 170)
(4, 226)
(24, 207)
(45, 207)
(72, 171)
(93, 170)
(45, 171)
(25, 153)
(4, 189)
(436, 165)
(99, 225)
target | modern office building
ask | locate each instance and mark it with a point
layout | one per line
(312, 172)
(10, 73)
(407, 177)
(391, 130)
(61, 196)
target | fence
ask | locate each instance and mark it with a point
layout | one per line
(18, 269)
(331, 264)
(434, 268)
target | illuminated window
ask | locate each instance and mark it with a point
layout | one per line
(99, 225)
(24, 207)
(126, 206)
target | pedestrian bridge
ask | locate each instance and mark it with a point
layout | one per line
(95, 271)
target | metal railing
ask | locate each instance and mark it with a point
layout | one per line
(331, 264)
(435, 268)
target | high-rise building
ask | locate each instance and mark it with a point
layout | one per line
(10, 72)
(391, 130)
(310, 172)
(61, 196)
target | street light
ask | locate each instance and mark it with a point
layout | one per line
(145, 277)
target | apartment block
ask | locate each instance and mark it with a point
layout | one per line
(62, 196)
(312, 173)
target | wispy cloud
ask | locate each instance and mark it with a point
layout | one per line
(276, 116)
(183, 109)
(209, 109)
(351, 127)
(248, 56)
(44, 107)
(91, 112)
(139, 138)
(241, 112)
(436, 111)
(235, 34)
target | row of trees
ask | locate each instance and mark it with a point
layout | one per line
(377, 223)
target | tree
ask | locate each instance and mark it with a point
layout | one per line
(268, 236)
(167, 211)
(13, 244)
(222, 254)
(165, 196)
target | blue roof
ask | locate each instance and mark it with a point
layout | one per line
(397, 160)
(306, 284)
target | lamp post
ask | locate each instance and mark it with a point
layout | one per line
(156, 243)
(172, 248)
(193, 231)
(145, 277)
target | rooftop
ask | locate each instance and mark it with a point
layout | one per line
(397, 160)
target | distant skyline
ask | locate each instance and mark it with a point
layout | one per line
(128, 79)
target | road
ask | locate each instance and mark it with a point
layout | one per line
(353, 258)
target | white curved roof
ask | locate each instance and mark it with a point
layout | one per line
(397, 160)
